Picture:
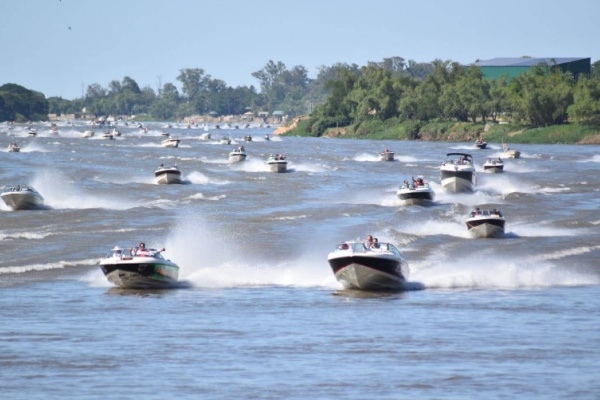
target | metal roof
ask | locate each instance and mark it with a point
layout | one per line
(526, 62)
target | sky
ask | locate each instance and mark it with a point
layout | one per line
(229, 39)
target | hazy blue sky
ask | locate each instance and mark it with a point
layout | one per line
(231, 39)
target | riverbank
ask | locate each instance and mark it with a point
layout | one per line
(453, 131)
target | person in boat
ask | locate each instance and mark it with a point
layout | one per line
(478, 211)
(161, 166)
(343, 246)
(242, 149)
(117, 252)
(405, 184)
(369, 241)
(142, 251)
(419, 182)
(499, 160)
(376, 243)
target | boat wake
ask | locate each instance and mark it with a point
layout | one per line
(199, 178)
(494, 273)
(219, 261)
(59, 193)
(366, 157)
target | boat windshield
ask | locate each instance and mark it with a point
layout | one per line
(19, 189)
(133, 252)
(364, 248)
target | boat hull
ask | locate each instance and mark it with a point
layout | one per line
(369, 273)
(512, 154)
(481, 146)
(486, 229)
(13, 150)
(237, 158)
(141, 276)
(277, 167)
(416, 198)
(22, 201)
(168, 178)
(458, 181)
(386, 156)
(170, 144)
(493, 169)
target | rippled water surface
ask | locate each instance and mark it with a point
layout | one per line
(261, 314)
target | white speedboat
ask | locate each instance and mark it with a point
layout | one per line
(108, 136)
(170, 142)
(205, 136)
(458, 174)
(416, 194)
(32, 132)
(480, 144)
(247, 138)
(88, 134)
(372, 266)
(116, 132)
(486, 224)
(14, 148)
(22, 198)
(267, 138)
(386, 155)
(493, 166)
(238, 155)
(277, 163)
(225, 140)
(167, 175)
(139, 268)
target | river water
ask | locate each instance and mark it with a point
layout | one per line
(262, 315)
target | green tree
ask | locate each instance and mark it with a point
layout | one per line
(585, 109)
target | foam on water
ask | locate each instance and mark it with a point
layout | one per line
(366, 157)
(479, 272)
(24, 235)
(217, 260)
(43, 267)
(251, 165)
(59, 193)
(33, 147)
(199, 178)
(200, 196)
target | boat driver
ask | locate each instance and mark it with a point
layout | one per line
(369, 241)
(142, 251)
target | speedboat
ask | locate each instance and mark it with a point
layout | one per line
(88, 134)
(247, 138)
(108, 136)
(32, 132)
(170, 142)
(481, 144)
(165, 134)
(386, 155)
(486, 224)
(14, 148)
(238, 155)
(416, 195)
(375, 266)
(225, 140)
(115, 132)
(512, 153)
(167, 175)
(139, 268)
(493, 166)
(458, 175)
(277, 163)
(168, 126)
(54, 129)
(22, 198)
(267, 138)
(205, 136)
(217, 127)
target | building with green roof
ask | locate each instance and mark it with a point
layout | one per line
(512, 67)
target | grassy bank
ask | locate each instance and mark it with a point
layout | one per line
(452, 131)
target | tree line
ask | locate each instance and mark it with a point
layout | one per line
(340, 94)
(454, 92)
